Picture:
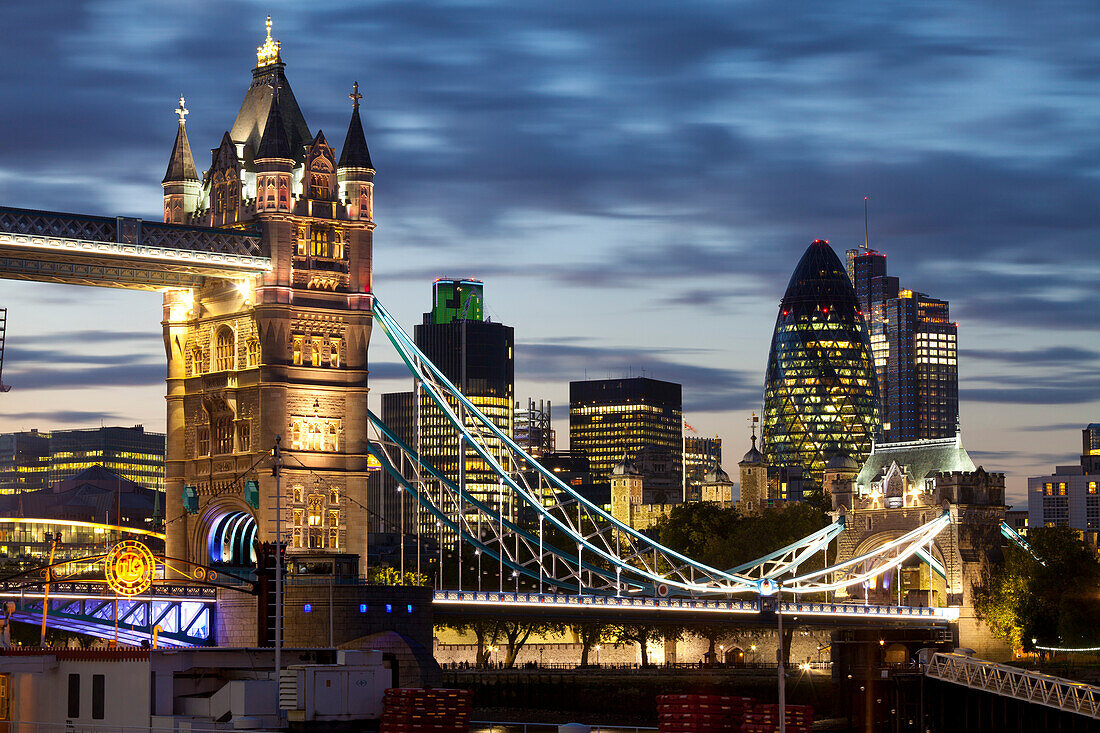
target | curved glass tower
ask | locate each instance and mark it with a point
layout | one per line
(820, 393)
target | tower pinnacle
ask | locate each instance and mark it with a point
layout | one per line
(268, 53)
(182, 110)
(355, 96)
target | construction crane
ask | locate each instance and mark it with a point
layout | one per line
(3, 337)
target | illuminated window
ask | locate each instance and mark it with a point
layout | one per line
(296, 439)
(334, 353)
(223, 349)
(253, 352)
(314, 345)
(334, 519)
(298, 515)
(1092, 487)
(303, 241)
(333, 496)
(297, 538)
(337, 244)
(333, 537)
(196, 361)
(297, 350)
(223, 434)
(202, 441)
(244, 436)
(330, 438)
(1062, 489)
(319, 242)
(298, 494)
(313, 436)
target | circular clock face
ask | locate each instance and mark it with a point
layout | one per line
(129, 567)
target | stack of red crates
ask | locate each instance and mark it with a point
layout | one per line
(765, 719)
(701, 713)
(425, 710)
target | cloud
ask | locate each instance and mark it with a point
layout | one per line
(1065, 355)
(133, 375)
(59, 417)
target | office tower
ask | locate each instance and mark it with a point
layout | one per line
(130, 452)
(820, 396)
(24, 461)
(914, 344)
(639, 418)
(477, 357)
(1070, 496)
(700, 456)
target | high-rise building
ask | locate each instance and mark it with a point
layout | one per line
(700, 456)
(131, 453)
(1070, 496)
(24, 461)
(820, 394)
(612, 419)
(916, 355)
(477, 356)
(37, 460)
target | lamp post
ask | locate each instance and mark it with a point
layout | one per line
(779, 660)
(597, 655)
(478, 553)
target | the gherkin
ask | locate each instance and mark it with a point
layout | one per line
(820, 393)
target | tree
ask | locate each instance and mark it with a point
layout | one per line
(722, 538)
(486, 633)
(589, 634)
(1054, 601)
(386, 575)
(515, 634)
(642, 634)
(712, 633)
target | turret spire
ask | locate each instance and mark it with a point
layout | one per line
(181, 165)
(355, 153)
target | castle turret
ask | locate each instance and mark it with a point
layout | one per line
(626, 490)
(753, 470)
(181, 180)
(355, 170)
(274, 163)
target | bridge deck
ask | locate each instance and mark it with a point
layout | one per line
(76, 249)
(495, 602)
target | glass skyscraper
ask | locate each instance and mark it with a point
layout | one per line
(820, 391)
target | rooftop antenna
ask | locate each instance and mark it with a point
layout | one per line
(866, 243)
(3, 337)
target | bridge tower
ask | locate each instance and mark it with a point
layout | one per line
(280, 355)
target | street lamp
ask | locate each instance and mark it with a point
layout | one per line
(478, 553)
(597, 655)
(721, 653)
(515, 574)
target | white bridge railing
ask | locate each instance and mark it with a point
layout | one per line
(1001, 679)
(743, 606)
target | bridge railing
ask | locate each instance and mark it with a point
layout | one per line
(1001, 679)
(122, 230)
(749, 605)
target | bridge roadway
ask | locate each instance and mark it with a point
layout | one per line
(747, 610)
(77, 249)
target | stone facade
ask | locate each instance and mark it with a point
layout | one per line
(279, 357)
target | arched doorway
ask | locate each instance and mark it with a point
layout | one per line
(735, 657)
(232, 539)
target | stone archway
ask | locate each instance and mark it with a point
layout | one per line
(225, 533)
(735, 657)
(921, 584)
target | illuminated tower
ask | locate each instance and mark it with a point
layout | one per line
(820, 393)
(282, 356)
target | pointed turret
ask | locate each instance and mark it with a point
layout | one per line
(274, 163)
(181, 179)
(355, 153)
(274, 143)
(355, 170)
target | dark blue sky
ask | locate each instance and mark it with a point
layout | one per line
(633, 181)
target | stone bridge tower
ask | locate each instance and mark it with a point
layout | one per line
(898, 491)
(279, 356)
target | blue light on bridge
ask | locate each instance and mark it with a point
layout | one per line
(308, 607)
(362, 608)
(409, 608)
(389, 608)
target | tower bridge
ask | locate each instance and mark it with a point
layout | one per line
(264, 262)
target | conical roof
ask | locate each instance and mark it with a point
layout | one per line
(255, 110)
(753, 455)
(181, 166)
(275, 143)
(355, 153)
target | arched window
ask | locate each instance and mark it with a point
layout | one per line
(330, 438)
(298, 495)
(196, 361)
(314, 437)
(253, 352)
(296, 442)
(223, 434)
(223, 350)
